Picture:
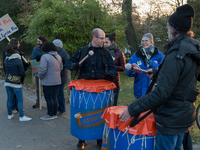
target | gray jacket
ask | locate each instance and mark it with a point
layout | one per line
(50, 68)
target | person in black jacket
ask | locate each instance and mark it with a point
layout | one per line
(173, 98)
(15, 41)
(15, 75)
(98, 66)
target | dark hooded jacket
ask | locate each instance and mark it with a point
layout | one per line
(172, 98)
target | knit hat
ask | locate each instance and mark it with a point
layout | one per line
(58, 43)
(148, 36)
(182, 18)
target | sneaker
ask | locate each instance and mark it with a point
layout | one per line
(10, 116)
(15, 111)
(36, 105)
(47, 117)
(81, 144)
(24, 118)
(61, 113)
(55, 116)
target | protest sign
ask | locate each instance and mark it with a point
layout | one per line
(35, 67)
(7, 27)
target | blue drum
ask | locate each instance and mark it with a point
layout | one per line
(89, 99)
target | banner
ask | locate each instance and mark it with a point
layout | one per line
(7, 27)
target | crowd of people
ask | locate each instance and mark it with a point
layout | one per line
(173, 75)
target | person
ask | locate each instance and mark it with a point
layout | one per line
(36, 54)
(61, 98)
(118, 57)
(26, 64)
(98, 66)
(147, 56)
(49, 73)
(173, 97)
(15, 75)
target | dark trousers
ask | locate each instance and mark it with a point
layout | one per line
(50, 94)
(116, 93)
(187, 141)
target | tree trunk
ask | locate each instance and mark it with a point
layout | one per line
(130, 31)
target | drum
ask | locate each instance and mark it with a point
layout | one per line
(118, 135)
(88, 100)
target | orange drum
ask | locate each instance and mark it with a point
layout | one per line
(89, 99)
(118, 135)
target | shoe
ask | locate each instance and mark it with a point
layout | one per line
(10, 116)
(61, 113)
(55, 116)
(81, 144)
(14, 111)
(36, 105)
(47, 117)
(99, 143)
(24, 118)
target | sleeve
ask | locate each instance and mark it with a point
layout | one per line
(132, 73)
(21, 70)
(167, 80)
(72, 60)
(65, 59)
(42, 68)
(121, 65)
(33, 56)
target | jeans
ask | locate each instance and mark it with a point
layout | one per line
(14, 103)
(61, 98)
(37, 88)
(116, 93)
(168, 142)
(50, 94)
(19, 95)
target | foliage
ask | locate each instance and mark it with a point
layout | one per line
(72, 22)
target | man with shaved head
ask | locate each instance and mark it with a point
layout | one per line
(98, 66)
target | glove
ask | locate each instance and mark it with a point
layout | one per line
(136, 66)
(38, 57)
(75, 66)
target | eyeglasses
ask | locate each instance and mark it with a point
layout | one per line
(145, 41)
(102, 38)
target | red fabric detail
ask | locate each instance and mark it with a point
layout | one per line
(136, 66)
(146, 127)
(97, 86)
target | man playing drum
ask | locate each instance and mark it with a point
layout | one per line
(98, 66)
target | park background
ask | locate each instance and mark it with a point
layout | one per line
(73, 20)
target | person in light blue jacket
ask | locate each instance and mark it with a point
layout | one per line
(146, 57)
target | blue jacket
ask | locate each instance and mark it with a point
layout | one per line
(14, 69)
(142, 81)
(36, 50)
(64, 55)
(93, 67)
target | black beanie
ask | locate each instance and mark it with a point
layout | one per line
(182, 19)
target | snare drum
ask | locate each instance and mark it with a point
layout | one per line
(88, 100)
(118, 135)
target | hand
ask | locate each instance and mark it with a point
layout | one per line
(150, 73)
(136, 66)
(75, 66)
(38, 57)
(125, 116)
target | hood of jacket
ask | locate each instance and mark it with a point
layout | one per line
(10, 56)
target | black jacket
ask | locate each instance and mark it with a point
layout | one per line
(172, 96)
(93, 67)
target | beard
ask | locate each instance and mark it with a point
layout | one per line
(170, 36)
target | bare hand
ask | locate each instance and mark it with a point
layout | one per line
(125, 116)
(150, 75)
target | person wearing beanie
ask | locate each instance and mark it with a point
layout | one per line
(146, 57)
(60, 94)
(172, 99)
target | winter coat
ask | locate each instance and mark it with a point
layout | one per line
(172, 96)
(14, 69)
(64, 55)
(50, 69)
(119, 59)
(142, 81)
(93, 67)
(36, 51)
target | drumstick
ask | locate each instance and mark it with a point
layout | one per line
(89, 54)
(128, 66)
